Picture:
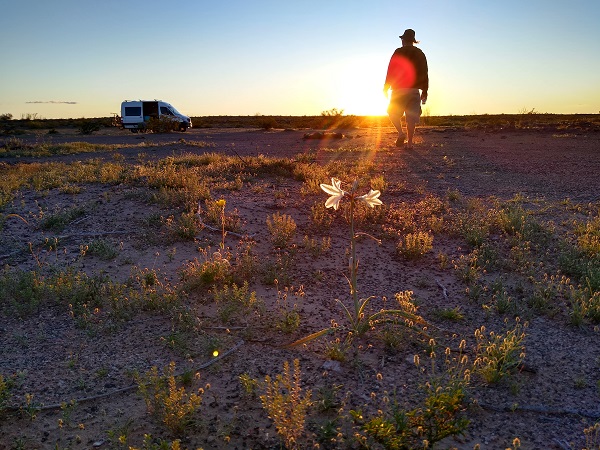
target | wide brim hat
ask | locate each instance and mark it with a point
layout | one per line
(409, 35)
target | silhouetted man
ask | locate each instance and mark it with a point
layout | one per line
(407, 74)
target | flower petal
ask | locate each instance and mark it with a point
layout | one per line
(372, 198)
(334, 188)
(333, 202)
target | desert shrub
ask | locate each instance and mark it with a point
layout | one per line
(592, 437)
(149, 292)
(266, 122)
(162, 124)
(171, 405)
(213, 268)
(184, 228)
(415, 245)
(497, 354)
(316, 248)
(234, 300)
(288, 319)
(89, 127)
(287, 404)
(438, 416)
(585, 304)
(282, 229)
(101, 248)
(320, 218)
(214, 213)
(22, 291)
(279, 270)
(60, 219)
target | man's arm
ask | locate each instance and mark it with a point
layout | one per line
(386, 90)
(425, 87)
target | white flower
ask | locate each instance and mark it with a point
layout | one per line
(334, 189)
(372, 198)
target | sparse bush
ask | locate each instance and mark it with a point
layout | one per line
(592, 437)
(60, 219)
(184, 228)
(234, 300)
(89, 127)
(415, 245)
(162, 124)
(171, 405)
(287, 404)
(101, 248)
(214, 214)
(282, 229)
(498, 355)
(266, 122)
(214, 268)
(316, 248)
(439, 415)
(320, 217)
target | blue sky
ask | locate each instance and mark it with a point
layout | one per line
(295, 58)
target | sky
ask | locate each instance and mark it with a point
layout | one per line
(82, 58)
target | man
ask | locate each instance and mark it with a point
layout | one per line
(406, 74)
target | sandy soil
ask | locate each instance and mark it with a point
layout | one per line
(547, 405)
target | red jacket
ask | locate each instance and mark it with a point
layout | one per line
(408, 69)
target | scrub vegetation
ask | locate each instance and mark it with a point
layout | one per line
(200, 300)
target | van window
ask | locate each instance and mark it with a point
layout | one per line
(133, 111)
(167, 111)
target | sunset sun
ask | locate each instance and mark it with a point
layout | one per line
(361, 90)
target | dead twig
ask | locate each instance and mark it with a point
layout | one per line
(220, 230)
(444, 291)
(595, 415)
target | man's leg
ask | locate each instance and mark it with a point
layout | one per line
(397, 121)
(413, 114)
(411, 124)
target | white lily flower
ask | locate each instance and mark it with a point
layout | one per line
(334, 189)
(372, 198)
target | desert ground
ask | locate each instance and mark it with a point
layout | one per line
(119, 288)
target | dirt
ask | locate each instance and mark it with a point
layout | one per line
(546, 405)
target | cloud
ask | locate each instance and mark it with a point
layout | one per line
(54, 101)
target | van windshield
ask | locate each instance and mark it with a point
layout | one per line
(172, 108)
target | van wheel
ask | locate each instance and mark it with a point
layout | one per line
(182, 127)
(133, 130)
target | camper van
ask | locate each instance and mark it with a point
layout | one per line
(135, 114)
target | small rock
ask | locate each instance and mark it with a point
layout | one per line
(332, 365)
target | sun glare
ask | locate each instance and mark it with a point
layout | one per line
(361, 92)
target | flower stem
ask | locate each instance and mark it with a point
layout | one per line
(353, 264)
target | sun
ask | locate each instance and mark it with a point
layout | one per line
(360, 91)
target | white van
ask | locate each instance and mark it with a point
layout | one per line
(135, 114)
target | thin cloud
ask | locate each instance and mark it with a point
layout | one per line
(54, 101)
